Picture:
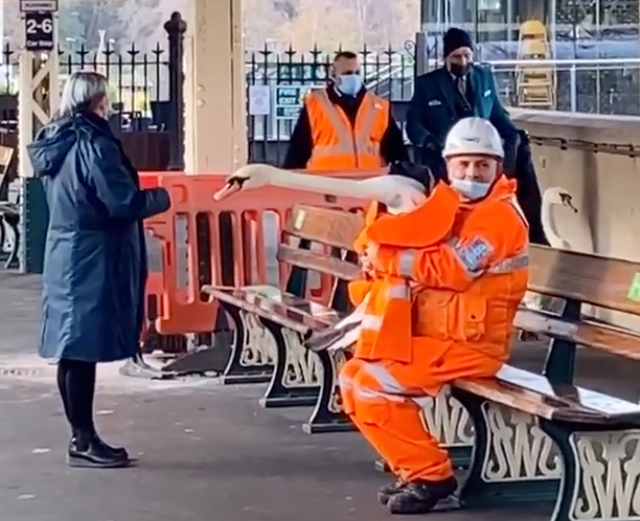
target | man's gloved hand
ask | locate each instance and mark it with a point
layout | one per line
(419, 173)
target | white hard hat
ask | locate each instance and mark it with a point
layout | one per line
(473, 136)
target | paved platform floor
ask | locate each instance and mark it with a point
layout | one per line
(207, 452)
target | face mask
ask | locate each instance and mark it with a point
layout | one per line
(458, 70)
(471, 189)
(350, 84)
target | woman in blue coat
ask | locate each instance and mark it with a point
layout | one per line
(95, 264)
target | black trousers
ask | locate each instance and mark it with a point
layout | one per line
(77, 386)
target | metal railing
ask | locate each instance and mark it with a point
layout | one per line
(276, 82)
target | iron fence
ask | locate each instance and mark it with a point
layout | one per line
(139, 82)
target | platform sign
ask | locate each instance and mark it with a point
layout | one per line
(39, 31)
(289, 99)
(30, 6)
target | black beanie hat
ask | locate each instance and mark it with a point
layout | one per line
(454, 39)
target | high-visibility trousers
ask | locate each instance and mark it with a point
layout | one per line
(385, 400)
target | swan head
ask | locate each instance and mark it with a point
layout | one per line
(559, 196)
(399, 194)
(246, 177)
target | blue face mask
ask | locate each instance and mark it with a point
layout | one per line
(350, 84)
(471, 189)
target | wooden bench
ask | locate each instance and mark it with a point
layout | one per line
(9, 212)
(538, 441)
(577, 280)
(582, 280)
(541, 438)
(271, 324)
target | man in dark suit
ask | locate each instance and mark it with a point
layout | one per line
(458, 90)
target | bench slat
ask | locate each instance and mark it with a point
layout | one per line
(283, 308)
(534, 394)
(314, 261)
(590, 334)
(327, 226)
(572, 275)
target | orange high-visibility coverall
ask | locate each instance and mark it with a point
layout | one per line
(465, 291)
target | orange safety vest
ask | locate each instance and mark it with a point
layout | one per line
(339, 145)
(389, 301)
(400, 319)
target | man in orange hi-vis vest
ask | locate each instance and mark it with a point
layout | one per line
(435, 311)
(344, 126)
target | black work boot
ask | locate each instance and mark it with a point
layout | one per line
(386, 491)
(420, 497)
(90, 451)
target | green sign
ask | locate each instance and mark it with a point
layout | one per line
(634, 289)
(289, 99)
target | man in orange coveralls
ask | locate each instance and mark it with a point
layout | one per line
(439, 303)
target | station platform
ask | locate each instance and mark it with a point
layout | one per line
(206, 451)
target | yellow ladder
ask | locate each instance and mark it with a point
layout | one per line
(535, 82)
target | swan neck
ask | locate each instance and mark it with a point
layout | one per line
(318, 184)
(549, 225)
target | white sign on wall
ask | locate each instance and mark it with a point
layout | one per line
(29, 6)
(259, 100)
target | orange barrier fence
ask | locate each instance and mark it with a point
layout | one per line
(232, 242)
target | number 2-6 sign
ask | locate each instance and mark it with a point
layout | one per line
(39, 31)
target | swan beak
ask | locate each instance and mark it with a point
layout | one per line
(570, 205)
(227, 190)
(568, 202)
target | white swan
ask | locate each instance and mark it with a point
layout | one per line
(400, 194)
(554, 196)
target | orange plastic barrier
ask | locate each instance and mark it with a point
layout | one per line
(202, 234)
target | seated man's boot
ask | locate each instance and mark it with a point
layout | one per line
(385, 492)
(89, 451)
(420, 497)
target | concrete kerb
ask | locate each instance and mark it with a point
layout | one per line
(31, 368)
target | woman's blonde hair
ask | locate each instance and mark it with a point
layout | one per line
(83, 91)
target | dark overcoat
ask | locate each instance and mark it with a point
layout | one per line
(95, 265)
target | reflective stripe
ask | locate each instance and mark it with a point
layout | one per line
(348, 144)
(371, 322)
(406, 261)
(391, 389)
(340, 126)
(513, 201)
(345, 382)
(384, 378)
(424, 401)
(399, 291)
(370, 394)
(363, 139)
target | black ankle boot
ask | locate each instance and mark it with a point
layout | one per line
(420, 497)
(118, 451)
(90, 451)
